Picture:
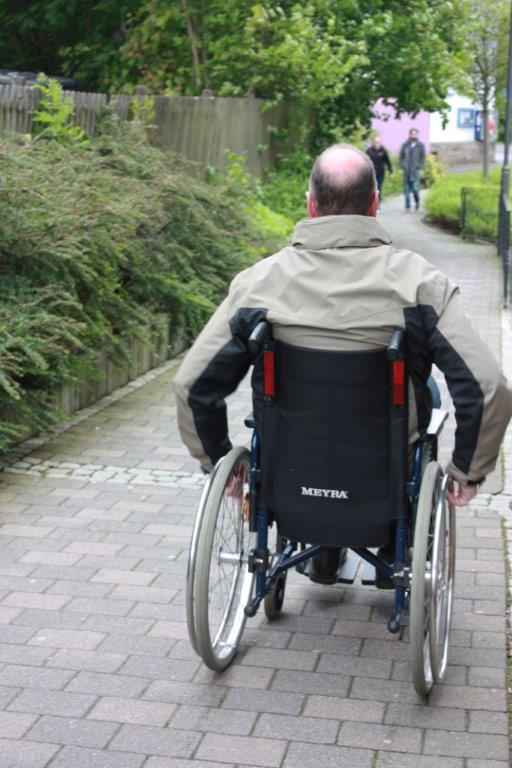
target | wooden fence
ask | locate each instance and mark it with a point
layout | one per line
(201, 128)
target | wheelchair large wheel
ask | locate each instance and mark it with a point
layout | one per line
(433, 570)
(219, 582)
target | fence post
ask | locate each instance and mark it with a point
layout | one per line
(463, 202)
(504, 237)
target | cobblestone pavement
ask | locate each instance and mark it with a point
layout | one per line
(95, 667)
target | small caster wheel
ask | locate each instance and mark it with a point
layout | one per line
(274, 599)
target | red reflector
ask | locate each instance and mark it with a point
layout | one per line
(269, 376)
(398, 382)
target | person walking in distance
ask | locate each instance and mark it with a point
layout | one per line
(380, 159)
(412, 160)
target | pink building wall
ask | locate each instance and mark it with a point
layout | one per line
(394, 132)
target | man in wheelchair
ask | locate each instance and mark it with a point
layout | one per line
(342, 287)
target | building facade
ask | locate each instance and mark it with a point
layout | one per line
(458, 141)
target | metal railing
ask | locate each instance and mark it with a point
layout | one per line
(479, 212)
(487, 214)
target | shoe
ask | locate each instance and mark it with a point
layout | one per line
(417, 204)
(324, 566)
(381, 580)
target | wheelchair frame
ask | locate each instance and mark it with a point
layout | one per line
(430, 582)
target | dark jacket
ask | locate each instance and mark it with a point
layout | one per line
(412, 159)
(380, 160)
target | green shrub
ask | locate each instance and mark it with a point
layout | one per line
(93, 241)
(443, 202)
(53, 118)
(433, 171)
(284, 191)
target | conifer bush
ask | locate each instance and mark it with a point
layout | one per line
(95, 239)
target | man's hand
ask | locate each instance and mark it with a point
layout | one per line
(235, 485)
(459, 495)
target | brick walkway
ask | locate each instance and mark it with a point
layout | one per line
(95, 667)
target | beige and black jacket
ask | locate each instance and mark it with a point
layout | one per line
(342, 285)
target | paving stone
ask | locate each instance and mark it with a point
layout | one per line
(63, 638)
(124, 577)
(123, 710)
(348, 665)
(292, 728)
(171, 762)
(55, 620)
(47, 702)
(236, 749)
(160, 668)
(23, 654)
(281, 659)
(185, 693)
(68, 730)
(476, 745)
(87, 606)
(344, 709)
(146, 646)
(35, 600)
(311, 682)
(155, 741)
(380, 737)
(394, 760)
(455, 696)
(14, 724)
(487, 676)
(93, 661)
(301, 755)
(427, 717)
(25, 754)
(255, 700)
(83, 757)
(488, 722)
(237, 677)
(34, 677)
(50, 558)
(107, 685)
(229, 721)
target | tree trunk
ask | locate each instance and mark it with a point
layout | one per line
(193, 43)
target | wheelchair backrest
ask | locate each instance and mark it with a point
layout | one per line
(328, 470)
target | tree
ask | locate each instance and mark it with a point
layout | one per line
(487, 39)
(331, 58)
(81, 38)
(334, 57)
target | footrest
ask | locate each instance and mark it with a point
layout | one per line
(368, 575)
(348, 570)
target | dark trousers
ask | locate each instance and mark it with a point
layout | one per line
(380, 181)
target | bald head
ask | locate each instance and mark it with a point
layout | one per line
(342, 182)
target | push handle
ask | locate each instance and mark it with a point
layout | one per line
(395, 350)
(259, 334)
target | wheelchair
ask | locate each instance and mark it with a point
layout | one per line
(329, 465)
